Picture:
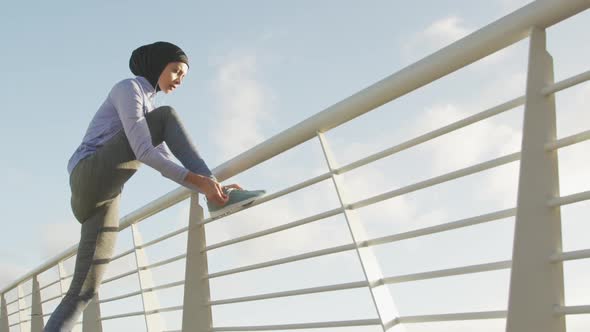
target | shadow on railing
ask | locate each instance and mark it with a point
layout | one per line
(24, 302)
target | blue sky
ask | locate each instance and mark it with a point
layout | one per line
(257, 68)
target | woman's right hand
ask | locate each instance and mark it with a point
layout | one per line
(209, 187)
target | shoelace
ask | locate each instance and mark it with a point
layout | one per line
(228, 190)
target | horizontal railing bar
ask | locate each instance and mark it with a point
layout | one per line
(570, 256)
(164, 286)
(280, 193)
(160, 204)
(13, 301)
(437, 180)
(119, 297)
(164, 262)
(25, 308)
(49, 285)
(567, 83)
(569, 140)
(162, 238)
(155, 311)
(20, 322)
(429, 230)
(51, 298)
(123, 254)
(362, 322)
(572, 310)
(574, 198)
(453, 317)
(293, 188)
(151, 289)
(285, 260)
(433, 134)
(306, 291)
(68, 276)
(442, 228)
(391, 323)
(449, 272)
(130, 314)
(319, 216)
(126, 274)
(14, 312)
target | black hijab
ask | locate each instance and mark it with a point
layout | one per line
(150, 60)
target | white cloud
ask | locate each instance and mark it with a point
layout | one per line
(477, 143)
(503, 88)
(469, 145)
(243, 101)
(572, 110)
(437, 35)
(445, 31)
(383, 217)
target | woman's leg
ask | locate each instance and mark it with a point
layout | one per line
(96, 185)
(165, 126)
(97, 242)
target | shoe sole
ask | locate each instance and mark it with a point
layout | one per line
(233, 207)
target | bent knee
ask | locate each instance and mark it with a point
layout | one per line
(166, 111)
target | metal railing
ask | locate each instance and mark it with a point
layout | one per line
(533, 306)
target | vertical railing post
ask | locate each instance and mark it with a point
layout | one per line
(61, 271)
(23, 318)
(536, 284)
(150, 302)
(380, 293)
(196, 315)
(3, 315)
(91, 321)
(36, 308)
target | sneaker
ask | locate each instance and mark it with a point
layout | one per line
(237, 199)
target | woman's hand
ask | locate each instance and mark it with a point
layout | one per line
(235, 186)
(209, 187)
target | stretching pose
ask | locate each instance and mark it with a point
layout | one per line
(125, 132)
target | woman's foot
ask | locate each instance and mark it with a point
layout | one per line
(237, 198)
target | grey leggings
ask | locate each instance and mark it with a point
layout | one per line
(96, 183)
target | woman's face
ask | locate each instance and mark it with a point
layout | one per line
(172, 76)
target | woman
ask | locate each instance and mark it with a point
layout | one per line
(125, 132)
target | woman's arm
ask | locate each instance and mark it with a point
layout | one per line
(207, 185)
(127, 98)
